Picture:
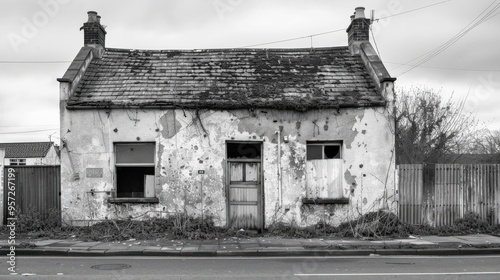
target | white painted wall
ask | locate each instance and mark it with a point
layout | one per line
(184, 146)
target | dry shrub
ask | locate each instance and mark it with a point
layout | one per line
(375, 224)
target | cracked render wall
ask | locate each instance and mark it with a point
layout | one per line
(190, 140)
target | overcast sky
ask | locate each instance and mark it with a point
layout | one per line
(41, 37)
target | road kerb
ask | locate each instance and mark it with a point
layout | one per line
(85, 253)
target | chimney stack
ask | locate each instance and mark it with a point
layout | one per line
(358, 31)
(94, 33)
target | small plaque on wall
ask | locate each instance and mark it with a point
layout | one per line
(94, 172)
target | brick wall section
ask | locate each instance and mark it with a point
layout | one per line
(94, 33)
(359, 30)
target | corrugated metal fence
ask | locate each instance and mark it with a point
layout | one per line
(37, 188)
(438, 194)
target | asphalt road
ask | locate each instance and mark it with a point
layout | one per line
(373, 267)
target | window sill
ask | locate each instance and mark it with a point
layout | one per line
(325, 201)
(133, 200)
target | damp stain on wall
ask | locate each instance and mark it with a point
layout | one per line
(170, 124)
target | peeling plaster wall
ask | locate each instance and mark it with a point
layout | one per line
(189, 140)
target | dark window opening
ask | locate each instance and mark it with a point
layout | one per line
(131, 180)
(135, 170)
(243, 150)
(314, 152)
(332, 151)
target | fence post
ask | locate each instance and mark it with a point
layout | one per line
(396, 189)
(462, 191)
(428, 193)
(497, 194)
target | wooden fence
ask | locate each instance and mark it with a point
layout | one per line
(32, 188)
(438, 194)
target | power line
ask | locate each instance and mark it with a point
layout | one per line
(375, 42)
(254, 45)
(429, 52)
(338, 30)
(32, 131)
(402, 13)
(34, 125)
(443, 68)
(293, 39)
(260, 44)
(32, 62)
(435, 52)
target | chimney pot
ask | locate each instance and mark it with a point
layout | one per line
(99, 19)
(92, 16)
(360, 12)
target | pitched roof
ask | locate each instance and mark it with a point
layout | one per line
(26, 149)
(299, 79)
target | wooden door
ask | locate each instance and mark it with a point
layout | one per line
(245, 193)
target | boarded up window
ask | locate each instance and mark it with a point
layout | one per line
(135, 169)
(324, 170)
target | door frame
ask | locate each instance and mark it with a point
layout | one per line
(260, 190)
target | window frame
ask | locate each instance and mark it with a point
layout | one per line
(17, 161)
(143, 199)
(338, 143)
(323, 143)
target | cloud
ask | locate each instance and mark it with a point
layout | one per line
(31, 89)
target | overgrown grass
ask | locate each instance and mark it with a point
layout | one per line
(378, 224)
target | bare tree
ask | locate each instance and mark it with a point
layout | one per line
(429, 128)
(485, 142)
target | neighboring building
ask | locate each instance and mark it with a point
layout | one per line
(30, 153)
(247, 136)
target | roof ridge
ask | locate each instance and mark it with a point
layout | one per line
(26, 142)
(228, 49)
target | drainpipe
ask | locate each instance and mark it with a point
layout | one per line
(280, 199)
(202, 204)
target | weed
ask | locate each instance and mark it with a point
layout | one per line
(472, 223)
(377, 224)
(38, 221)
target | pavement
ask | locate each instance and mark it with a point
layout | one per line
(262, 246)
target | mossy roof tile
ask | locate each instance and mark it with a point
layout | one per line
(299, 79)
